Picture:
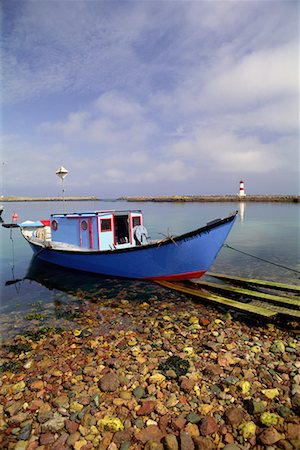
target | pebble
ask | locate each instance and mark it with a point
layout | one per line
(99, 386)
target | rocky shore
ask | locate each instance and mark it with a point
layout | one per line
(166, 374)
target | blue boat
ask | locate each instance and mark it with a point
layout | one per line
(116, 243)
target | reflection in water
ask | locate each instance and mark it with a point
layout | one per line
(242, 211)
(86, 285)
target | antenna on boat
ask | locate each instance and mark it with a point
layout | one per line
(62, 173)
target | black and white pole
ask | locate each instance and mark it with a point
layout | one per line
(62, 173)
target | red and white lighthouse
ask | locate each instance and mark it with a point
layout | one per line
(242, 189)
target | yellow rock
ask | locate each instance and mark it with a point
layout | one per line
(205, 409)
(21, 445)
(194, 320)
(132, 342)
(118, 401)
(248, 429)
(245, 386)
(255, 349)
(94, 430)
(79, 444)
(77, 332)
(269, 419)
(56, 373)
(3, 424)
(94, 343)
(197, 390)
(157, 378)
(189, 351)
(112, 424)
(141, 359)
(219, 322)
(76, 407)
(167, 318)
(270, 393)
(18, 387)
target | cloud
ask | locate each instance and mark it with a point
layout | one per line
(157, 94)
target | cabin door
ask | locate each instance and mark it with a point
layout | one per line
(85, 234)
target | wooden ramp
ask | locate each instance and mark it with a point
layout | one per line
(253, 281)
(233, 304)
(291, 302)
(274, 308)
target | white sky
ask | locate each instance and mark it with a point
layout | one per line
(150, 97)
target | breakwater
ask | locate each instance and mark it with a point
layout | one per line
(215, 198)
(46, 199)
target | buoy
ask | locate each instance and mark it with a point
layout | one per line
(242, 189)
(15, 217)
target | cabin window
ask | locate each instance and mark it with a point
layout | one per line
(54, 225)
(136, 221)
(106, 225)
(84, 225)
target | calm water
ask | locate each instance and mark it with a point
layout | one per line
(266, 230)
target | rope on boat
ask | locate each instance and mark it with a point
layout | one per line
(261, 259)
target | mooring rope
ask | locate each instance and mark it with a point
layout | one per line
(261, 259)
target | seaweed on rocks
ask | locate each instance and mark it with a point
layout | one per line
(179, 365)
(11, 366)
(42, 332)
(18, 348)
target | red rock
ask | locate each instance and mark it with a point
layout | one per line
(47, 438)
(293, 432)
(60, 443)
(146, 408)
(234, 416)
(150, 433)
(109, 382)
(122, 436)
(270, 436)
(213, 369)
(71, 426)
(187, 384)
(178, 423)
(203, 322)
(204, 443)
(34, 405)
(186, 442)
(208, 426)
(37, 385)
(164, 422)
(33, 445)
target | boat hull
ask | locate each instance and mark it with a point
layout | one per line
(185, 257)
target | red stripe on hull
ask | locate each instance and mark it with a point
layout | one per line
(177, 277)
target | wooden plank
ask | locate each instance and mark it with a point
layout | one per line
(263, 283)
(285, 301)
(286, 312)
(244, 307)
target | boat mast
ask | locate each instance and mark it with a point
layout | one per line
(62, 173)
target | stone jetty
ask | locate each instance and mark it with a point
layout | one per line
(215, 198)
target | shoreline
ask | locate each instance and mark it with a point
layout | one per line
(166, 198)
(178, 374)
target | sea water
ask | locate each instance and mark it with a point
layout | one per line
(264, 244)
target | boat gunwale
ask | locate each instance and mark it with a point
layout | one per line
(166, 241)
